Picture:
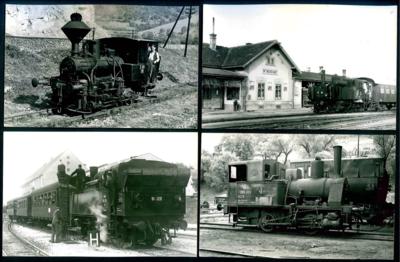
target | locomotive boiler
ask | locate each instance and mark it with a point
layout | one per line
(320, 201)
(343, 94)
(100, 73)
(135, 202)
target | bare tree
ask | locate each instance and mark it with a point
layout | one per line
(313, 144)
(385, 146)
(274, 147)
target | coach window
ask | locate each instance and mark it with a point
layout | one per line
(261, 91)
(278, 92)
(53, 197)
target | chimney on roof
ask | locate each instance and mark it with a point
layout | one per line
(321, 68)
(213, 38)
(308, 69)
(344, 72)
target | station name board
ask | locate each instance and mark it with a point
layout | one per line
(269, 71)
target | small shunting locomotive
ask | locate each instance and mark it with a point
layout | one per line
(343, 94)
(264, 194)
(101, 73)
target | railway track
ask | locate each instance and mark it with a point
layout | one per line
(14, 242)
(59, 120)
(302, 121)
(349, 234)
(213, 252)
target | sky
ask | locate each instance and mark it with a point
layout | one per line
(26, 152)
(360, 39)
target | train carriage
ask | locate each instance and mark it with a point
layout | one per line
(384, 95)
(11, 209)
(23, 208)
(44, 202)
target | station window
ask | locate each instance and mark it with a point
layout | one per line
(269, 60)
(278, 92)
(261, 91)
(206, 92)
(232, 93)
(382, 90)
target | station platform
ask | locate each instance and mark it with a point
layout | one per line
(209, 116)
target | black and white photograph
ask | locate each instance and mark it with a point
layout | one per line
(100, 194)
(299, 66)
(297, 196)
(124, 66)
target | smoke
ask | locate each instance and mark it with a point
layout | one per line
(101, 219)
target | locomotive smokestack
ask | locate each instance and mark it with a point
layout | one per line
(337, 161)
(213, 38)
(75, 30)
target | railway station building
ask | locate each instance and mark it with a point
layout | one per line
(47, 174)
(249, 77)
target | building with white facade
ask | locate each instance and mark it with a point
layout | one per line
(252, 76)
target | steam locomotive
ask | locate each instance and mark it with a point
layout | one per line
(102, 73)
(264, 194)
(135, 202)
(342, 94)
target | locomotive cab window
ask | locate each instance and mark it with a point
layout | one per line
(237, 173)
(267, 171)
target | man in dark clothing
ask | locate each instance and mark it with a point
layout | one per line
(63, 178)
(80, 178)
(56, 226)
(154, 61)
(111, 185)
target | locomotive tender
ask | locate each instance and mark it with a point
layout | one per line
(102, 73)
(259, 195)
(343, 94)
(137, 201)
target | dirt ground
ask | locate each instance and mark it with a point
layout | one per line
(26, 58)
(289, 246)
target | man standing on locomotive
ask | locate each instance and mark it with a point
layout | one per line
(154, 59)
(80, 178)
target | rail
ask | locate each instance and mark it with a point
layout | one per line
(26, 242)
